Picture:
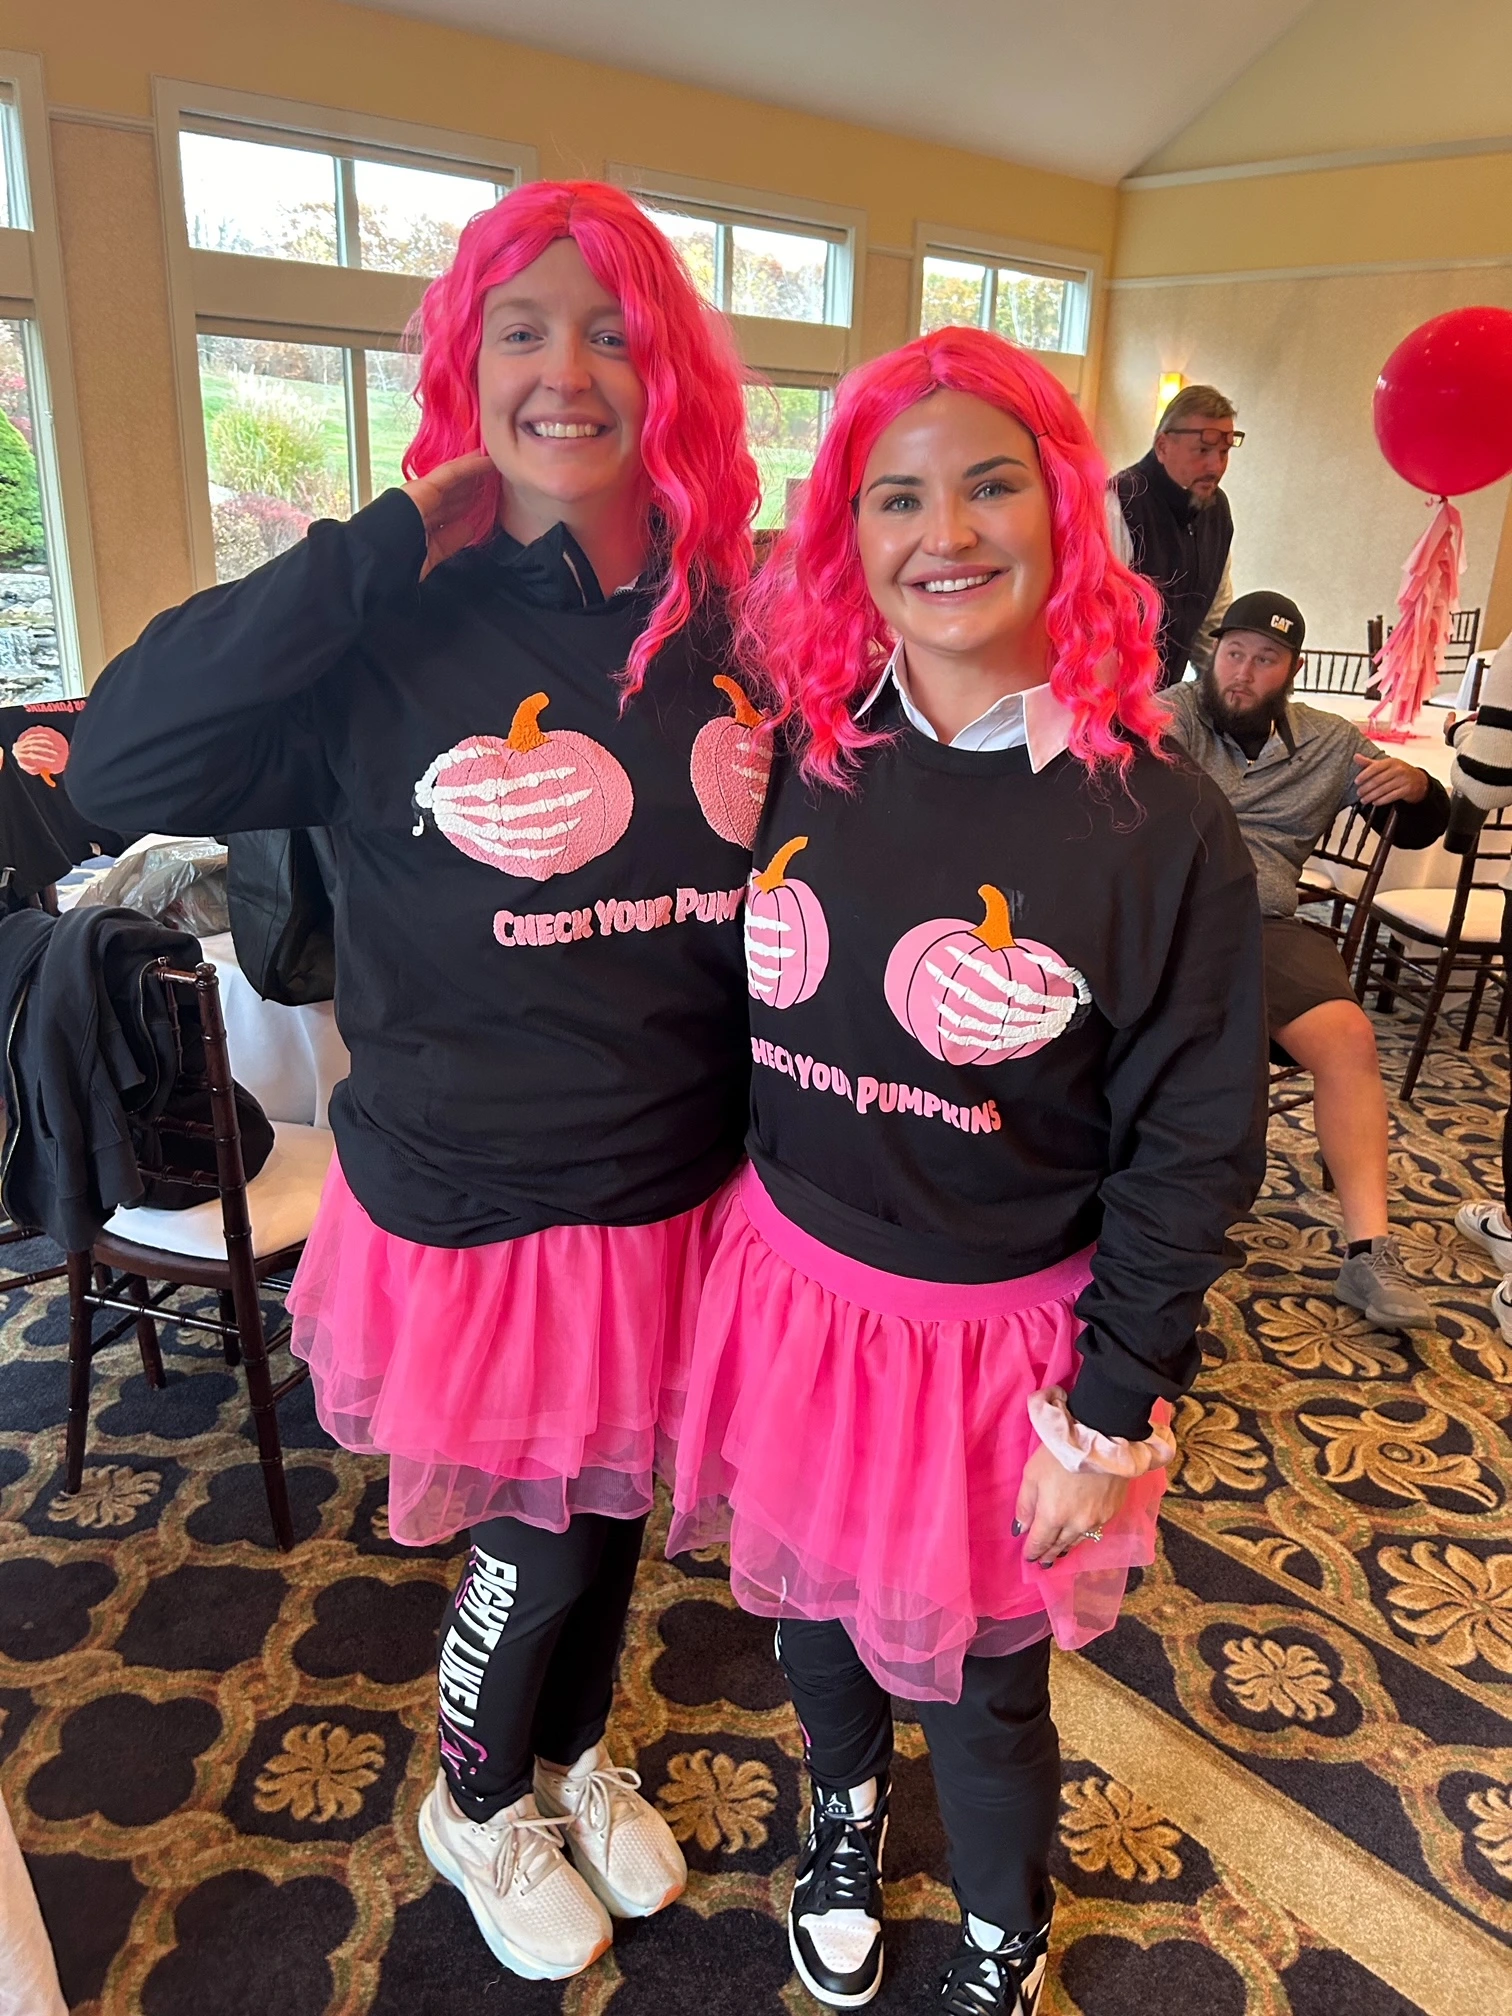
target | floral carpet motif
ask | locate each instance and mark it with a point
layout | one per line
(214, 1754)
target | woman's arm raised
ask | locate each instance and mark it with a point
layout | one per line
(211, 722)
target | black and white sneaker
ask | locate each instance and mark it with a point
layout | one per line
(835, 1914)
(994, 1973)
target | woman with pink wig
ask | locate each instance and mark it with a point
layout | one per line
(1004, 966)
(503, 688)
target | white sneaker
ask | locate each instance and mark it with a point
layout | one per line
(537, 1915)
(622, 1846)
(1501, 1307)
(1486, 1224)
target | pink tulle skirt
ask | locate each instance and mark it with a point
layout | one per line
(534, 1378)
(860, 1438)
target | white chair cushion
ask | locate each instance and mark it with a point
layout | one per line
(1332, 878)
(1424, 913)
(281, 1201)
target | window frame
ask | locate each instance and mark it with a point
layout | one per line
(802, 381)
(32, 291)
(792, 352)
(291, 300)
(1076, 369)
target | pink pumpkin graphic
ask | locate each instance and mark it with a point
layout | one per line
(731, 764)
(537, 804)
(975, 994)
(786, 936)
(42, 752)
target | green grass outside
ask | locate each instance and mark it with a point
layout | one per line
(391, 422)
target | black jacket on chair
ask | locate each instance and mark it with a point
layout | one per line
(92, 1059)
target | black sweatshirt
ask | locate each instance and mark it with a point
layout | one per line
(1115, 931)
(538, 941)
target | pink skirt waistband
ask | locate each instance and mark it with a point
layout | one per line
(902, 1294)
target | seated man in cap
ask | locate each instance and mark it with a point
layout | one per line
(1289, 770)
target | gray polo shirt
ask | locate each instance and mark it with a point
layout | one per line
(1289, 796)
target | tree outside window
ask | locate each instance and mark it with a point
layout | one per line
(1034, 310)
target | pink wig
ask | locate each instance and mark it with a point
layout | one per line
(810, 627)
(693, 445)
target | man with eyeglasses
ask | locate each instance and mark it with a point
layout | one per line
(1170, 520)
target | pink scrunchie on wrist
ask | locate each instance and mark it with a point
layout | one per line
(1077, 1447)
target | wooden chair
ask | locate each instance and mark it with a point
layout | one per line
(1464, 629)
(1434, 935)
(1343, 872)
(1335, 672)
(244, 1236)
(12, 1234)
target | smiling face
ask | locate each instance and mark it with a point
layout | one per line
(560, 404)
(953, 524)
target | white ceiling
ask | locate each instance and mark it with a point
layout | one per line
(1089, 87)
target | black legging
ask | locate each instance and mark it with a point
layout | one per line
(528, 1648)
(995, 1754)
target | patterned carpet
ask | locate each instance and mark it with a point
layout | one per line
(1287, 1781)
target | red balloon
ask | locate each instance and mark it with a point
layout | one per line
(1443, 402)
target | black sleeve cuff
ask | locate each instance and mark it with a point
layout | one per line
(1421, 824)
(1100, 1403)
(393, 533)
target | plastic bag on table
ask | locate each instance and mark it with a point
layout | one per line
(180, 883)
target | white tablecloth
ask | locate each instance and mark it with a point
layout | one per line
(289, 1059)
(1421, 867)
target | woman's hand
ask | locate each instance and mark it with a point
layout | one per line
(450, 499)
(1057, 1507)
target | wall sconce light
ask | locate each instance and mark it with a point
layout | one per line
(1171, 382)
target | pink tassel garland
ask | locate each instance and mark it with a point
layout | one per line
(1413, 655)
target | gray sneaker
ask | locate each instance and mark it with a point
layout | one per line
(1377, 1283)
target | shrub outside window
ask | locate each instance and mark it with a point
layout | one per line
(300, 242)
(31, 666)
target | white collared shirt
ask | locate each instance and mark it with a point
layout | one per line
(1034, 720)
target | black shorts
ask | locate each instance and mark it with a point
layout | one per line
(1302, 970)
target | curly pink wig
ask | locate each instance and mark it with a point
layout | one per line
(809, 627)
(693, 445)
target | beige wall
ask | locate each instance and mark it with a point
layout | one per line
(1317, 512)
(100, 57)
(1290, 289)
(1361, 74)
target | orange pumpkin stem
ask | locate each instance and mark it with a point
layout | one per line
(995, 929)
(745, 713)
(776, 873)
(525, 731)
(49, 780)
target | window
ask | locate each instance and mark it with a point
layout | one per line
(786, 423)
(300, 243)
(274, 202)
(1039, 311)
(49, 621)
(31, 666)
(1033, 295)
(753, 270)
(786, 271)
